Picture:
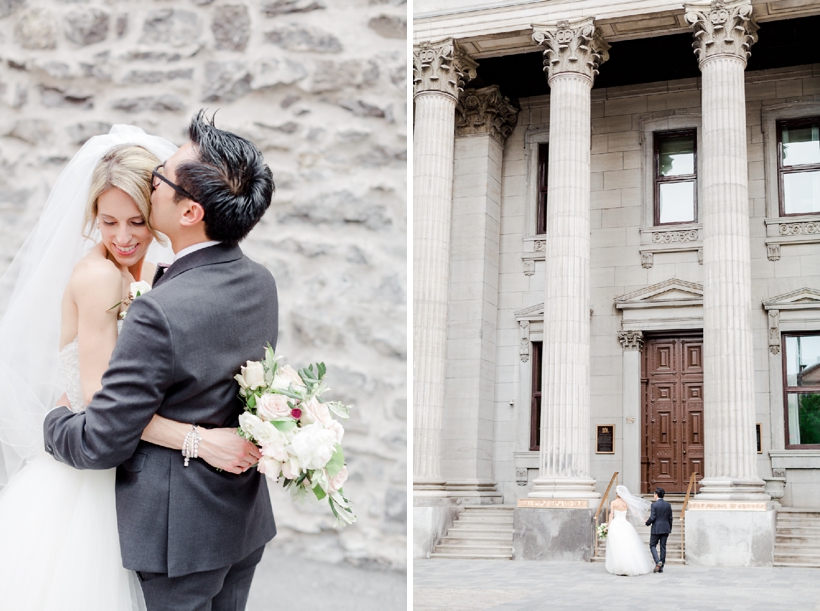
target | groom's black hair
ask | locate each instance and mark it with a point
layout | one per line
(229, 179)
(660, 492)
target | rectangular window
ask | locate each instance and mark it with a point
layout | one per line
(541, 214)
(801, 355)
(798, 166)
(676, 177)
(535, 402)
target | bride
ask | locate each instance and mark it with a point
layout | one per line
(59, 545)
(626, 554)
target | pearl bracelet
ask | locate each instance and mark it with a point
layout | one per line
(190, 446)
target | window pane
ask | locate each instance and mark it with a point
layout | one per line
(801, 192)
(677, 202)
(804, 418)
(803, 360)
(801, 144)
(676, 155)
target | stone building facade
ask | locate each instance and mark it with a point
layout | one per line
(616, 265)
(321, 88)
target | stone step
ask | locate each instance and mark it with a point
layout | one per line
(805, 565)
(809, 531)
(473, 549)
(472, 556)
(457, 530)
(478, 519)
(478, 537)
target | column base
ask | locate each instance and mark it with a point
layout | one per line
(553, 534)
(432, 517)
(564, 488)
(430, 484)
(732, 489)
(474, 492)
(730, 537)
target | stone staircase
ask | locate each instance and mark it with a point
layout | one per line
(797, 538)
(673, 543)
(484, 531)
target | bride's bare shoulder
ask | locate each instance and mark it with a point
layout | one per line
(94, 271)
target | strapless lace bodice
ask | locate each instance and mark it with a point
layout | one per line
(70, 373)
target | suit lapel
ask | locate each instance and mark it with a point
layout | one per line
(221, 253)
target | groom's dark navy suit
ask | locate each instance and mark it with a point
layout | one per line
(179, 349)
(661, 520)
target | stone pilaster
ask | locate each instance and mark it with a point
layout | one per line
(572, 54)
(632, 344)
(484, 119)
(440, 70)
(723, 34)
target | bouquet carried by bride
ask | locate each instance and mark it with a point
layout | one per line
(286, 415)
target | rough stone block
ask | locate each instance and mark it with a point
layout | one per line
(730, 538)
(295, 37)
(552, 534)
(174, 27)
(7, 7)
(226, 81)
(389, 26)
(231, 27)
(272, 8)
(86, 26)
(37, 30)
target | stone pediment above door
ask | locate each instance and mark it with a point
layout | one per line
(794, 311)
(801, 299)
(673, 304)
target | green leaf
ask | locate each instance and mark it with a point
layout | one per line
(320, 494)
(340, 409)
(284, 425)
(252, 401)
(336, 462)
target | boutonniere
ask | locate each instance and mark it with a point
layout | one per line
(137, 289)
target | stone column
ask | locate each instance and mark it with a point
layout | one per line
(732, 521)
(484, 119)
(439, 72)
(572, 54)
(632, 343)
(723, 35)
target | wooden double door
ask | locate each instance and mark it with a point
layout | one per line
(672, 397)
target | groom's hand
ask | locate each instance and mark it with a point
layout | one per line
(224, 449)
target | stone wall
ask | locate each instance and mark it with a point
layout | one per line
(320, 87)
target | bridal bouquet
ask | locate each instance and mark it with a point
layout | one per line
(602, 530)
(286, 415)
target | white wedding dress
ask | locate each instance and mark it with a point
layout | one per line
(626, 554)
(59, 546)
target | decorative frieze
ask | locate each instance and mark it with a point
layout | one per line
(485, 111)
(725, 506)
(631, 340)
(571, 47)
(810, 227)
(553, 504)
(540, 246)
(441, 66)
(722, 28)
(669, 237)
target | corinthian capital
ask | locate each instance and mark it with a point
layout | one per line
(441, 66)
(571, 47)
(485, 111)
(631, 340)
(722, 28)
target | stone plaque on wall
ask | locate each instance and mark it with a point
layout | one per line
(605, 439)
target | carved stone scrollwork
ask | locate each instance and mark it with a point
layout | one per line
(668, 237)
(524, 341)
(441, 66)
(572, 47)
(773, 252)
(779, 473)
(540, 246)
(722, 28)
(774, 331)
(485, 111)
(808, 228)
(631, 340)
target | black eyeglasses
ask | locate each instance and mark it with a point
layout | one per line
(177, 188)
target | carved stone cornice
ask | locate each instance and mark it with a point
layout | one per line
(631, 340)
(485, 111)
(571, 47)
(441, 66)
(722, 28)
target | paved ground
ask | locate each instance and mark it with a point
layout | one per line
(283, 583)
(468, 585)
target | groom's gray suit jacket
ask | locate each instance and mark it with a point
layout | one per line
(176, 356)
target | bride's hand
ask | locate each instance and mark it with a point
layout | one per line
(224, 449)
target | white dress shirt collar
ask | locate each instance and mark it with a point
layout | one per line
(193, 248)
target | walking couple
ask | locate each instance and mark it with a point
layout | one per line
(625, 552)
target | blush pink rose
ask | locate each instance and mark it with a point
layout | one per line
(270, 467)
(338, 480)
(272, 407)
(313, 411)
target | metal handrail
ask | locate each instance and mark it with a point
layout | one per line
(683, 511)
(614, 478)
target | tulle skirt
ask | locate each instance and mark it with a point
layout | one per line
(626, 554)
(59, 547)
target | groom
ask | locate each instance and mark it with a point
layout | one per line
(193, 534)
(661, 520)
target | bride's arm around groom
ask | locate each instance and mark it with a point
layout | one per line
(180, 346)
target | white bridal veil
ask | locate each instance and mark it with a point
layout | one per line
(35, 282)
(639, 506)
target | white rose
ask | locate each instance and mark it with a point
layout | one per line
(252, 375)
(275, 445)
(139, 288)
(285, 377)
(272, 406)
(314, 445)
(338, 480)
(250, 424)
(291, 469)
(338, 429)
(270, 467)
(313, 411)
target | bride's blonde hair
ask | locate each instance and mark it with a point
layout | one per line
(127, 168)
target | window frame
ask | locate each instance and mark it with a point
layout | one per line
(537, 355)
(542, 188)
(657, 180)
(794, 389)
(779, 125)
